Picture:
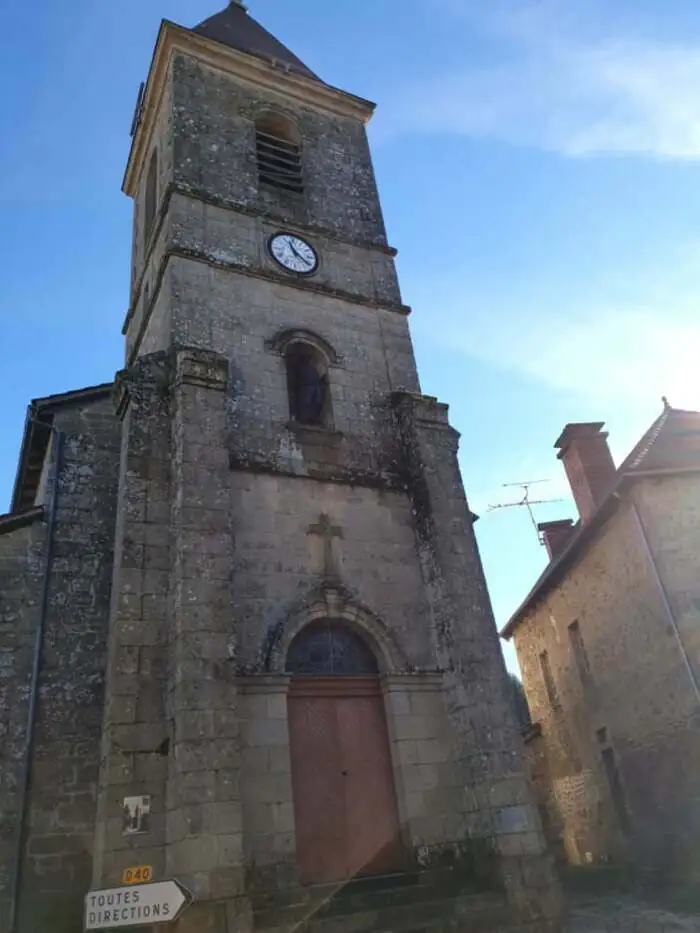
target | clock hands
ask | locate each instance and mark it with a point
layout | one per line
(298, 254)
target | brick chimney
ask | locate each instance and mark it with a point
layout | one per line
(556, 535)
(584, 450)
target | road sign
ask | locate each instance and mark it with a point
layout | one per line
(139, 874)
(138, 905)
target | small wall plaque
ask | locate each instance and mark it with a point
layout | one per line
(135, 815)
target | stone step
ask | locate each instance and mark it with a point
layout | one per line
(474, 914)
(344, 897)
(368, 893)
(400, 907)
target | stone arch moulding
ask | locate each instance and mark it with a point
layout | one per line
(334, 605)
(286, 337)
(265, 114)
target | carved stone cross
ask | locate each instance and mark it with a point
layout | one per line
(329, 534)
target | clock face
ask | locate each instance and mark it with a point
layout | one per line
(293, 253)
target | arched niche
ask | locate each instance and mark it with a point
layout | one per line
(308, 385)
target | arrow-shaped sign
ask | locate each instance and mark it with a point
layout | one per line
(141, 904)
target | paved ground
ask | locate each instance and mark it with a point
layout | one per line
(623, 915)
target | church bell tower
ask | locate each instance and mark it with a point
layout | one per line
(304, 686)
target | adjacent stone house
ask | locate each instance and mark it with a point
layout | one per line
(608, 642)
(246, 638)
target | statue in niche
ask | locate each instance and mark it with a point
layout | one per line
(308, 386)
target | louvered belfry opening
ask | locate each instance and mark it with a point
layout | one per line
(279, 153)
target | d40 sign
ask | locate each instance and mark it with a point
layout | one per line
(139, 874)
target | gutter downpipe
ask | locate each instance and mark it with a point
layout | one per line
(664, 599)
(18, 863)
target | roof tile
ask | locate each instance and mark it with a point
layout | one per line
(235, 28)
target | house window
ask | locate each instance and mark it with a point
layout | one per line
(549, 685)
(151, 198)
(307, 385)
(617, 791)
(579, 652)
(279, 152)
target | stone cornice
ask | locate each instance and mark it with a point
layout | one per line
(202, 368)
(415, 681)
(263, 683)
(173, 39)
(258, 272)
(279, 278)
(327, 473)
(268, 217)
(14, 520)
(424, 412)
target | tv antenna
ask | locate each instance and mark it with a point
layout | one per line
(525, 502)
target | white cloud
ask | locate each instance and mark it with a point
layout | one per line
(624, 354)
(627, 352)
(557, 87)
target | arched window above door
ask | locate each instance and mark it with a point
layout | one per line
(324, 649)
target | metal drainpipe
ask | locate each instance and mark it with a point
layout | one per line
(17, 865)
(664, 599)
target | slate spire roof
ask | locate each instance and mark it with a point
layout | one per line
(235, 28)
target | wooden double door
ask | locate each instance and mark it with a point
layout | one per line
(344, 797)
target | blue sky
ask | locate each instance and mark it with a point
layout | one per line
(538, 164)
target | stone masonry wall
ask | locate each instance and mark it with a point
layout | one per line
(143, 252)
(247, 487)
(21, 573)
(235, 315)
(670, 510)
(217, 214)
(497, 805)
(637, 699)
(136, 734)
(204, 818)
(243, 571)
(63, 778)
(214, 151)
(276, 567)
(572, 805)
(199, 227)
(240, 318)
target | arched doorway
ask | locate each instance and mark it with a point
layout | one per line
(344, 797)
